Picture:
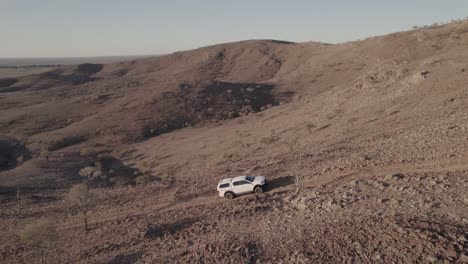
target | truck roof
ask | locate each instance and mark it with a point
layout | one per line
(239, 178)
(229, 180)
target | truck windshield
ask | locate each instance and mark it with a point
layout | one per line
(250, 178)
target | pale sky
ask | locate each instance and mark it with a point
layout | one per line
(74, 28)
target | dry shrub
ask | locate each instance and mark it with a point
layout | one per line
(88, 172)
(40, 235)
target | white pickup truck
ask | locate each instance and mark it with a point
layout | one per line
(232, 187)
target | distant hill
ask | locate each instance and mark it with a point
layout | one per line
(13, 67)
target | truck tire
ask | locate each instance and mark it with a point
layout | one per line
(229, 195)
(258, 190)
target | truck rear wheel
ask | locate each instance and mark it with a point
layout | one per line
(258, 190)
(229, 195)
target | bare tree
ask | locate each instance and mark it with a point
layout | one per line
(144, 229)
(41, 235)
(20, 201)
(299, 172)
(171, 172)
(78, 196)
(197, 174)
(298, 166)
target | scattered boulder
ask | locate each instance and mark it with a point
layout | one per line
(424, 74)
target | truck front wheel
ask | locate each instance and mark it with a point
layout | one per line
(258, 190)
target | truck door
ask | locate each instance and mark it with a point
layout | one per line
(242, 186)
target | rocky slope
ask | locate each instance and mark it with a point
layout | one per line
(375, 130)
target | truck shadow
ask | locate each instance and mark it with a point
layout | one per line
(279, 182)
(160, 230)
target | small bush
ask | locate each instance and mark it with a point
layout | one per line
(44, 153)
(309, 126)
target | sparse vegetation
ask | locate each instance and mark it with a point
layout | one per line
(228, 159)
(78, 197)
(144, 179)
(171, 171)
(309, 126)
(44, 153)
(41, 235)
(87, 171)
(269, 140)
(231, 157)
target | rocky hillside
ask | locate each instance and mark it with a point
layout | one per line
(365, 145)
